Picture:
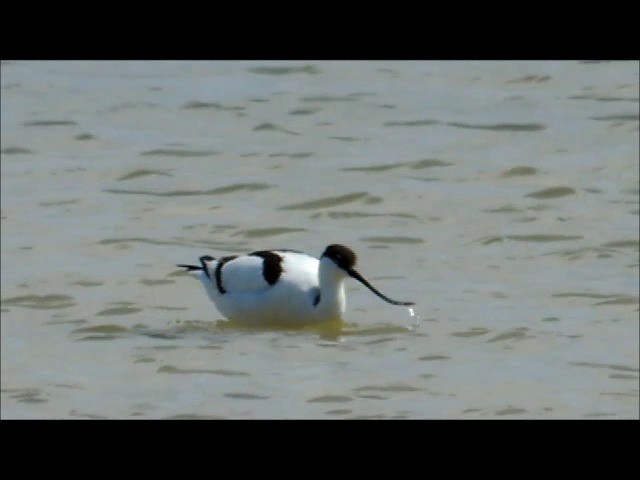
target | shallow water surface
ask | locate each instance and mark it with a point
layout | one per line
(502, 197)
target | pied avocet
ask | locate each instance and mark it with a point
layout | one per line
(281, 286)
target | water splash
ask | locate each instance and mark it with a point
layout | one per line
(417, 319)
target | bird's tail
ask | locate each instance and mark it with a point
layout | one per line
(190, 267)
(202, 266)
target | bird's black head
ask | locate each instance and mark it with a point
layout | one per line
(346, 259)
(342, 256)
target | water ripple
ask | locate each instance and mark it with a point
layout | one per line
(194, 416)
(152, 282)
(634, 244)
(328, 201)
(578, 253)
(417, 165)
(392, 239)
(519, 333)
(351, 214)
(472, 332)
(620, 300)
(15, 151)
(222, 372)
(411, 123)
(175, 152)
(330, 399)
(623, 117)
(304, 111)
(430, 358)
(329, 98)
(240, 187)
(519, 171)
(610, 366)
(84, 136)
(273, 127)
(604, 98)
(223, 246)
(537, 238)
(142, 173)
(429, 163)
(246, 396)
(511, 411)
(267, 232)
(48, 123)
(530, 79)
(500, 127)
(285, 70)
(88, 283)
(505, 209)
(106, 329)
(118, 311)
(582, 295)
(553, 192)
(394, 388)
(291, 155)
(41, 302)
(25, 395)
(375, 168)
(195, 104)
(347, 139)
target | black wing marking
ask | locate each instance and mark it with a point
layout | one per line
(218, 272)
(271, 265)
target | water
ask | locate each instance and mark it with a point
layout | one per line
(502, 197)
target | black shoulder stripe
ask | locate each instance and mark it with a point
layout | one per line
(271, 265)
(218, 272)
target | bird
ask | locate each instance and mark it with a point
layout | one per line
(281, 286)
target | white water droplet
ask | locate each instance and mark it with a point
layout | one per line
(416, 317)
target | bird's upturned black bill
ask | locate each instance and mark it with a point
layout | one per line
(353, 273)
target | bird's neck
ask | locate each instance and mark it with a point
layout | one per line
(332, 297)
